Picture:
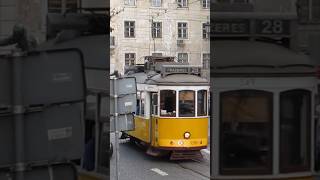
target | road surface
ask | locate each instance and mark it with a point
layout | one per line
(136, 165)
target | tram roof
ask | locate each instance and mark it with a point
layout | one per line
(258, 58)
(172, 79)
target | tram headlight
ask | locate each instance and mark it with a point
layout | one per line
(186, 135)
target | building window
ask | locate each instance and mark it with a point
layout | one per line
(205, 4)
(206, 61)
(112, 41)
(182, 3)
(130, 59)
(205, 30)
(295, 110)
(156, 3)
(156, 29)
(61, 6)
(246, 132)
(183, 57)
(130, 2)
(182, 30)
(129, 29)
(308, 10)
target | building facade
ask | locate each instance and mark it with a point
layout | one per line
(178, 28)
(32, 14)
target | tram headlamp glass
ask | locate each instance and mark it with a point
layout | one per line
(186, 135)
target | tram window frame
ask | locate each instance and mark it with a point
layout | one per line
(142, 103)
(243, 135)
(154, 104)
(193, 114)
(287, 167)
(205, 103)
(174, 108)
(138, 112)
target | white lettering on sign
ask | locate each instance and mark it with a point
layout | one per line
(272, 26)
(61, 133)
(229, 28)
(247, 82)
(128, 104)
(129, 85)
(62, 77)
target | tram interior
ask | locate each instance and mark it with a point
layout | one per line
(246, 130)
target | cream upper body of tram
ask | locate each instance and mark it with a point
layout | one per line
(172, 108)
(263, 113)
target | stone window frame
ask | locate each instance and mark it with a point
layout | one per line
(156, 31)
(185, 59)
(130, 60)
(127, 29)
(184, 30)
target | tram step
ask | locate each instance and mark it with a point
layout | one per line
(181, 155)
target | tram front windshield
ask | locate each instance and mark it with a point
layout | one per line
(187, 101)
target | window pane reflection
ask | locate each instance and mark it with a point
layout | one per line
(186, 103)
(168, 103)
(202, 103)
(294, 130)
(246, 126)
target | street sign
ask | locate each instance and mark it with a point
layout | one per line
(46, 92)
(48, 77)
(123, 93)
(122, 103)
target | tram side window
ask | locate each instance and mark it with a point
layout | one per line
(295, 110)
(154, 107)
(138, 103)
(168, 103)
(246, 132)
(142, 103)
(202, 103)
(186, 103)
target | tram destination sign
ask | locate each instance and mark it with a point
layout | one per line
(251, 27)
(180, 69)
(231, 26)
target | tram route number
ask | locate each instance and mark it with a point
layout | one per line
(247, 82)
(273, 26)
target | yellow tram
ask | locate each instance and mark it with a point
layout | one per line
(172, 108)
(264, 114)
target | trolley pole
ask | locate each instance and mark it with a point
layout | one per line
(18, 110)
(116, 126)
